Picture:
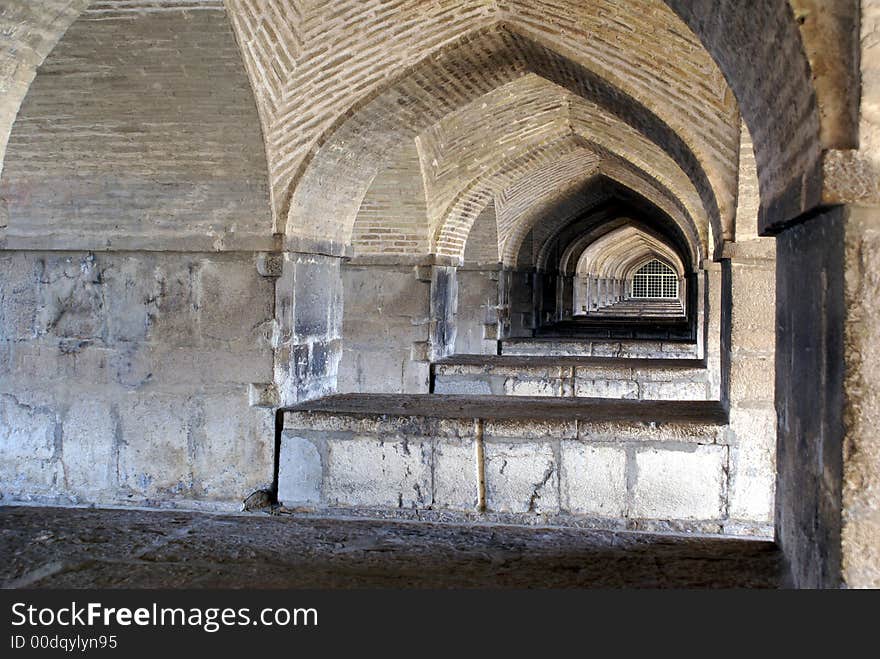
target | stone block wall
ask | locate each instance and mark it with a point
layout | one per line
(386, 328)
(562, 380)
(566, 347)
(477, 316)
(611, 475)
(124, 377)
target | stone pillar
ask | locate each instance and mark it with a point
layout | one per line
(588, 295)
(712, 326)
(811, 319)
(308, 326)
(828, 384)
(444, 306)
(477, 318)
(860, 533)
(567, 303)
(750, 367)
(386, 327)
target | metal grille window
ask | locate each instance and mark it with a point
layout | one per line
(655, 279)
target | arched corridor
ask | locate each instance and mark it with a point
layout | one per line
(586, 265)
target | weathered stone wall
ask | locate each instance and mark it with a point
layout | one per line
(477, 317)
(809, 397)
(556, 378)
(386, 328)
(645, 476)
(860, 537)
(127, 353)
(124, 377)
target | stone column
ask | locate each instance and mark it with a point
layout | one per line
(750, 329)
(828, 400)
(308, 326)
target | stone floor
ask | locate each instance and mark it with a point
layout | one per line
(81, 548)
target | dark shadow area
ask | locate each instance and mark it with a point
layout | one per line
(89, 548)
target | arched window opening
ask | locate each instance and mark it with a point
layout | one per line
(655, 279)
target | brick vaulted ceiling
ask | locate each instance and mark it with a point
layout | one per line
(473, 91)
(341, 84)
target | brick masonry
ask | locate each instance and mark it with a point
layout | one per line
(140, 132)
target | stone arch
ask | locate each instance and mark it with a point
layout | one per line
(281, 41)
(352, 151)
(623, 249)
(758, 48)
(613, 180)
(284, 41)
(609, 139)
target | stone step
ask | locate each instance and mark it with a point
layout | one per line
(589, 377)
(597, 327)
(555, 346)
(559, 461)
(641, 309)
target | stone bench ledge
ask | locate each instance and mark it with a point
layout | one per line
(594, 410)
(562, 361)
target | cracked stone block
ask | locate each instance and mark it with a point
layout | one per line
(752, 378)
(549, 387)
(455, 475)
(27, 445)
(371, 472)
(313, 289)
(679, 390)
(239, 446)
(462, 386)
(300, 471)
(89, 438)
(679, 484)
(606, 389)
(753, 463)
(154, 455)
(593, 479)
(28, 429)
(521, 478)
